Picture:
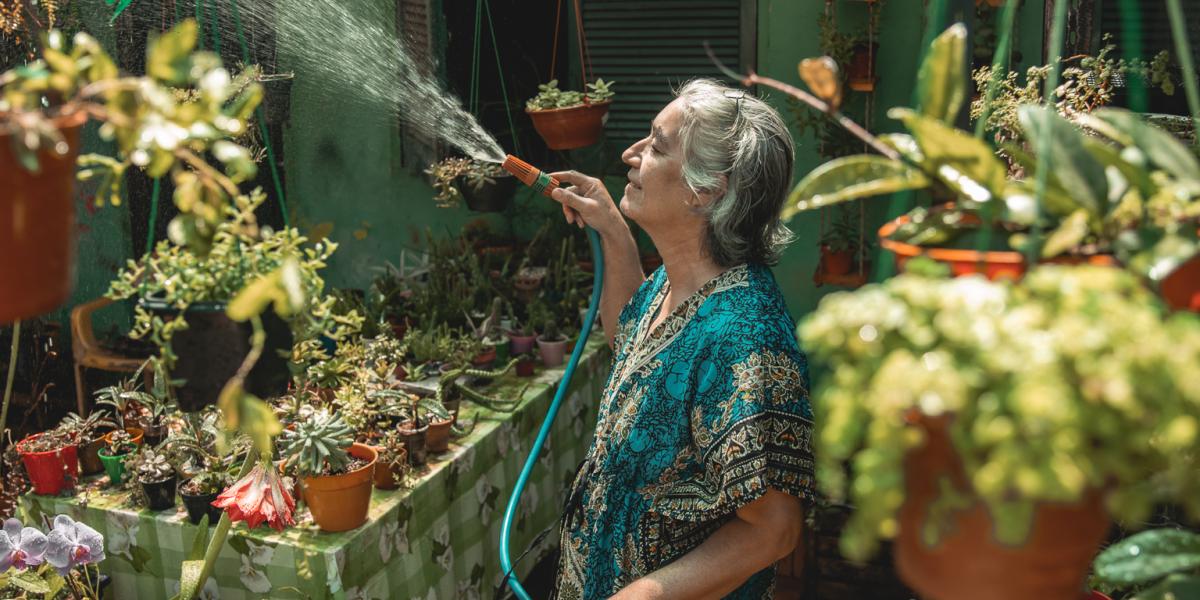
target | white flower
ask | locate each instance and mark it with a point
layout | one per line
(260, 554)
(256, 581)
(71, 544)
(20, 547)
(122, 533)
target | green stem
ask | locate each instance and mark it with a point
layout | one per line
(1186, 64)
(12, 372)
(223, 525)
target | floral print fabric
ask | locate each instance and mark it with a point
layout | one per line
(701, 415)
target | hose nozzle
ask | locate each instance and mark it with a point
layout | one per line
(530, 175)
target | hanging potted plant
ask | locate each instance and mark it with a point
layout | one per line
(88, 432)
(991, 427)
(840, 245)
(484, 186)
(570, 119)
(119, 446)
(50, 460)
(157, 478)
(335, 472)
(44, 104)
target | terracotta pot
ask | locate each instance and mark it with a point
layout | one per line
(491, 197)
(37, 225)
(386, 474)
(525, 368)
(552, 352)
(89, 457)
(570, 128)
(484, 360)
(340, 502)
(414, 442)
(520, 344)
(968, 562)
(437, 439)
(136, 435)
(837, 263)
(52, 471)
(861, 72)
(1181, 289)
(994, 265)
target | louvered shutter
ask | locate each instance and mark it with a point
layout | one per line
(1155, 34)
(414, 20)
(648, 48)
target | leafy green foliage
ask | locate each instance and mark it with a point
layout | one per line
(941, 87)
(1068, 381)
(1148, 556)
(448, 171)
(550, 97)
(318, 445)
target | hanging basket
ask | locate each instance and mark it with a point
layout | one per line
(570, 128)
(491, 197)
(37, 225)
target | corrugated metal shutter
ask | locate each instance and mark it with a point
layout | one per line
(649, 47)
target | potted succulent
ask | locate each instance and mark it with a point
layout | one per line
(199, 492)
(335, 472)
(119, 446)
(87, 430)
(520, 338)
(483, 185)
(43, 106)
(411, 429)
(552, 344)
(51, 460)
(393, 460)
(157, 479)
(570, 119)
(995, 424)
(440, 420)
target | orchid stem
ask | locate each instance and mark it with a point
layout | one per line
(12, 372)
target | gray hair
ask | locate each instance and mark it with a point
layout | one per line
(728, 132)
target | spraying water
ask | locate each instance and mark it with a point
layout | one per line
(356, 56)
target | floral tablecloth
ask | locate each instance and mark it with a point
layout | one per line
(439, 538)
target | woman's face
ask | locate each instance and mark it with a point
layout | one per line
(656, 195)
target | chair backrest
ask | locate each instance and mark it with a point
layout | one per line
(83, 337)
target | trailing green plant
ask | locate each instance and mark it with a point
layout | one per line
(549, 97)
(1067, 382)
(318, 445)
(450, 384)
(185, 108)
(448, 172)
(207, 482)
(393, 453)
(1160, 564)
(1133, 190)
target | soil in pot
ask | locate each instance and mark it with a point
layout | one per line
(161, 494)
(37, 226)
(136, 435)
(967, 561)
(211, 349)
(198, 503)
(51, 470)
(437, 439)
(339, 501)
(114, 464)
(414, 442)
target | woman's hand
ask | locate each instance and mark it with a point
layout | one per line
(587, 202)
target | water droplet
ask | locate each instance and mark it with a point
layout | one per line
(868, 333)
(1134, 550)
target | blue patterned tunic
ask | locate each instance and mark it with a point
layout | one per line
(699, 417)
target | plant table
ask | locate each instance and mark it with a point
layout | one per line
(436, 537)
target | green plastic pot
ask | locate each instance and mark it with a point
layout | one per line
(113, 465)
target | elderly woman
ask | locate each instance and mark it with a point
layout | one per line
(693, 486)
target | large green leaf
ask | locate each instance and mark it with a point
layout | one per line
(850, 178)
(1068, 161)
(966, 164)
(1110, 156)
(31, 582)
(168, 55)
(1175, 587)
(1147, 556)
(1159, 146)
(942, 81)
(1068, 235)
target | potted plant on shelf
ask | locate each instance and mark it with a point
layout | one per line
(570, 119)
(43, 106)
(199, 492)
(392, 464)
(410, 429)
(89, 432)
(526, 363)
(119, 446)
(51, 460)
(991, 427)
(335, 472)
(483, 185)
(440, 420)
(552, 344)
(157, 479)
(120, 398)
(840, 245)
(520, 338)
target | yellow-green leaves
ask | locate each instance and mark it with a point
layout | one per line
(942, 80)
(850, 178)
(281, 287)
(1069, 234)
(1163, 150)
(168, 56)
(966, 164)
(244, 412)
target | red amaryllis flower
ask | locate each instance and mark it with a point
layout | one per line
(257, 497)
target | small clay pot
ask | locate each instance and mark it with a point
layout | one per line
(161, 494)
(414, 442)
(552, 352)
(340, 502)
(136, 435)
(387, 476)
(89, 457)
(526, 367)
(837, 263)
(437, 439)
(520, 344)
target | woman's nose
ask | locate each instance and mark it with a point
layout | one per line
(632, 155)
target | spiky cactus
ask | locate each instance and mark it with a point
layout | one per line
(319, 442)
(449, 382)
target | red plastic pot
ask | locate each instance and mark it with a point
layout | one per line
(49, 472)
(37, 225)
(570, 128)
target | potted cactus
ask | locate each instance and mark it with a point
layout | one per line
(119, 446)
(157, 478)
(570, 119)
(552, 344)
(335, 471)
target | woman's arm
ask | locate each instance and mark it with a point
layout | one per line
(588, 203)
(761, 533)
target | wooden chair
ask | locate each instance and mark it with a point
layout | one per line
(89, 354)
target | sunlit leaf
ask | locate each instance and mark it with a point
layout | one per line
(1068, 235)
(1163, 150)
(942, 80)
(167, 55)
(945, 145)
(850, 178)
(1068, 161)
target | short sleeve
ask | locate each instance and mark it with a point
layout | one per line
(751, 425)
